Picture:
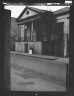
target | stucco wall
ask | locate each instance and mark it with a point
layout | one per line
(66, 20)
(37, 47)
(20, 46)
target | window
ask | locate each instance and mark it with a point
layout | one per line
(22, 32)
(27, 33)
(58, 32)
(34, 35)
(27, 12)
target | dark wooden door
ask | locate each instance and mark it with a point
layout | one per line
(60, 42)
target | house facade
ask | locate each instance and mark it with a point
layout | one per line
(63, 30)
(34, 32)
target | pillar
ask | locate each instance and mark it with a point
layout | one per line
(6, 41)
(66, 32)
(65, 45)
(31, 30)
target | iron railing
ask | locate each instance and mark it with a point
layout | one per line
(34, 38)
(27, 38)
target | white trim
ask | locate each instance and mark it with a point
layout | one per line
(24, 21)
(63, 17)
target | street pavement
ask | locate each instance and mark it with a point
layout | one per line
(59, 59)
(32, 74)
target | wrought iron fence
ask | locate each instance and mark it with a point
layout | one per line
(27, 38)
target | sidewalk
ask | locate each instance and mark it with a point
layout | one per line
(57, 59)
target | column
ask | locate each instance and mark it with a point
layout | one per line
(65, 45)
(31, 30)
(22, 32)
(66, 32)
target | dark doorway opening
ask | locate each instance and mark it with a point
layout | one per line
(60, 31)
(26, 48)
(58, 42)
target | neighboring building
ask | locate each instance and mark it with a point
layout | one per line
(63, 30)
(49, 39)
(13, 33)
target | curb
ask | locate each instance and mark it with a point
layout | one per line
(34, 56)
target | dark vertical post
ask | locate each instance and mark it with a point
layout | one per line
(7, 26)
(67, 77)
(1, 48)
(5, 17)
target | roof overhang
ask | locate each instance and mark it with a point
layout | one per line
(62, 11)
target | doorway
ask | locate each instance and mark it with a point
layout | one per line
(26, 48)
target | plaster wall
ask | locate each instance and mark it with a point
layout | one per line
(20, 46)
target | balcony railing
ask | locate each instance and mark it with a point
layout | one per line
(34, 38)
(27, 38)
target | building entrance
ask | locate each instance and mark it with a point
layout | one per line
(26, 48)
